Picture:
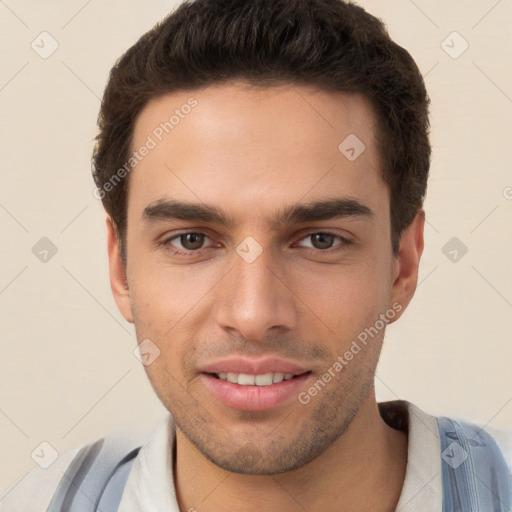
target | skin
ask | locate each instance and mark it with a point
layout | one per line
(252, 152)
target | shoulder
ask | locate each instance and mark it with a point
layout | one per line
(88, 465)
(484, 440)
(503, 439)
(34, 490)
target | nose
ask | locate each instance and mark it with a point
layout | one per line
(256, 298)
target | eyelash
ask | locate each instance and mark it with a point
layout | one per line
(166, 243)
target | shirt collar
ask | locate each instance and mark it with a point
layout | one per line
(422, 490)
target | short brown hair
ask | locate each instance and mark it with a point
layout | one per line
(332, 44)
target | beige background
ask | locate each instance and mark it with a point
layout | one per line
(67, 371)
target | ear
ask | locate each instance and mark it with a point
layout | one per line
(118, 280)
(405, 267)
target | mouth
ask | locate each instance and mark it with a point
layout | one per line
(253, 390)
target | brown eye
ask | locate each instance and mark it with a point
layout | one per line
(187, 244)
(192, 241)
(322, 240)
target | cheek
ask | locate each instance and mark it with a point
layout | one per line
(346, 297)
(162, 295)
(170, 307)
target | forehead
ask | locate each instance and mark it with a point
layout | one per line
(244, 148)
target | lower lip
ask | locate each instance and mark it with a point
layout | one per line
(254, 398)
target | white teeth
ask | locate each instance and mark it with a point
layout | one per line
(263, 380)
(244, 379)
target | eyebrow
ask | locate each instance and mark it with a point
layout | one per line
(166, 209)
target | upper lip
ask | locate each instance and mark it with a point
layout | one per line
(249, 366)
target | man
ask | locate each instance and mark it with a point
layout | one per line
(263, 165)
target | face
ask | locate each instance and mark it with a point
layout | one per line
(259, 250)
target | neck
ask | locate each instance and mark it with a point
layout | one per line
(363, 470)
